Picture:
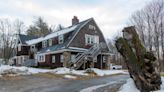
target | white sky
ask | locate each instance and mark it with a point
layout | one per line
(110, 15)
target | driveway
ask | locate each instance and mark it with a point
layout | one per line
(34, 83)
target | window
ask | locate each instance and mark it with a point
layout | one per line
(19, 47)
(32, 48)
(72, 58)
(91, 39)
(50, 42)
(61, 39)
(61, 58)
(41, 58)
(96, 39)
(92, 27)
(53, 59)
(104, 59)
(44, 44)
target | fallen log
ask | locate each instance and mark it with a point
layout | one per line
(142, 65)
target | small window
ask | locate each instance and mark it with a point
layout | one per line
(50, 42)
(53, 59)
(41, 58)
(61, 39)
(92, 40)
(104, 59)
(19, 47)
(32, 48)
(92, 27)
(44, 44)
(61, 58)
(72, 57)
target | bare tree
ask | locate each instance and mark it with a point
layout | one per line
(149, 23)
(8, 38)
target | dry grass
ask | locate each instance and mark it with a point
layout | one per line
(11, 77)
(49, 75)
(162, 75)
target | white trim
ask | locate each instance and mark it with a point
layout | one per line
(77, 48)
(40, 57)
(59, 51)
(53, 58)
(61, 58)
(78, 31)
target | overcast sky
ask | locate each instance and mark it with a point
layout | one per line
(110, 15)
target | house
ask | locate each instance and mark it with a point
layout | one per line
(80, 45)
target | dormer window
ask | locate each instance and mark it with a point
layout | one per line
(92, 27)
(61, 39)
(50, 42)
(19, 47)
(32, 48)
(44, 44)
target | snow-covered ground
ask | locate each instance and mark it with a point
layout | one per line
(108, 72)
(129, 86)
(13, 71)
(91, 89)
(70, 77)
(64, 70)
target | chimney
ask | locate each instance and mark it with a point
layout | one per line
(75, 20)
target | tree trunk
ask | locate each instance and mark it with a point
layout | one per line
(142, 65)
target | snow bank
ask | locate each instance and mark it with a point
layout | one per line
(8, 70)
(70, 77)
(13, 70)
(107, 72)
(130, 86)
(68, 71)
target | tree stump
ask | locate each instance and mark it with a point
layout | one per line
(142, 65)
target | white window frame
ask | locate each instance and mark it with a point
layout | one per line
(53, 58)
(19, 47)
(41, 58)
(91, 39)
(62, 58)
(73, 58)
(32, 47)
(104, 59)
(44, 43)
(96, 39)
(92, 27)
(61, 39)
(50, 42)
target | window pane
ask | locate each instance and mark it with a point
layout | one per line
(53, 59)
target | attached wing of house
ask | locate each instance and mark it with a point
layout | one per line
(81, 45)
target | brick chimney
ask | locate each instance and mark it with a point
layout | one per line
(75, 20)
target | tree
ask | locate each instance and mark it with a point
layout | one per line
(143, 66)
(149, 24)
(7, 38)
(40, 28)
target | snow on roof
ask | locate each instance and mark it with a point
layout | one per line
(55, 34)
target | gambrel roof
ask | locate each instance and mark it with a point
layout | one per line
(57, 33)
(72, 32)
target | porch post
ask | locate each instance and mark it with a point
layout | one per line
(107, 61)
(67, 58)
